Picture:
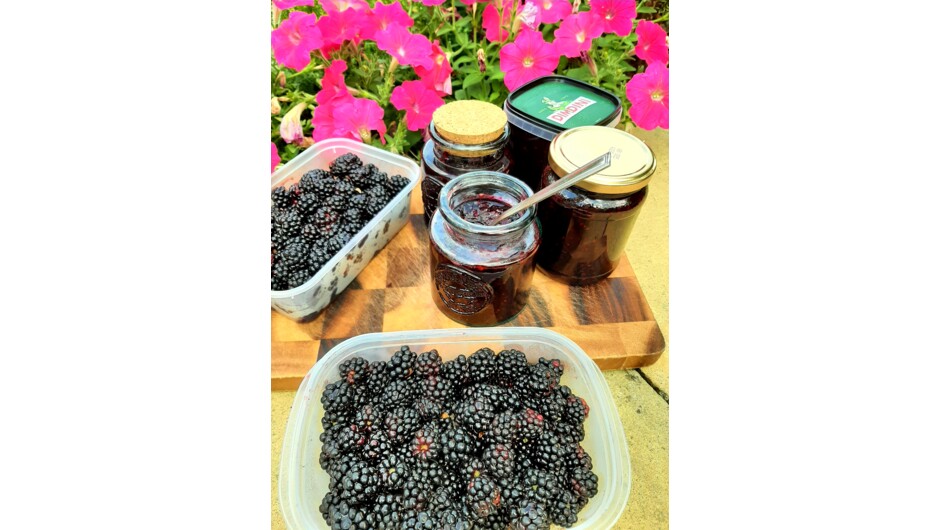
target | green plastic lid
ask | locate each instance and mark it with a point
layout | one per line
(559, 103)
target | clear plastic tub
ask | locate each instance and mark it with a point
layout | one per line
(305, 302)
(302, 484)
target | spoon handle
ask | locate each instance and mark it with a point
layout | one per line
(598, 164)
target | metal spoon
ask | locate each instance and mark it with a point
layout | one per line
(598, 164)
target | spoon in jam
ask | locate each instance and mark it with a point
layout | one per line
(598, 164)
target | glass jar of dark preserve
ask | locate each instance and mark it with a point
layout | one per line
(465, 136)
(481, 274)
(586, 226)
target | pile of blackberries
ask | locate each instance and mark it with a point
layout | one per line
(487, 442)
(314, 218)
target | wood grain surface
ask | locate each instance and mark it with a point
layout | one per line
(610, 320)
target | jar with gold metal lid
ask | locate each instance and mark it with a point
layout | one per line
(466, 136)
(586, 227)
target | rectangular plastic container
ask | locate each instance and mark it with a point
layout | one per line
(303, 303)
(302, 484)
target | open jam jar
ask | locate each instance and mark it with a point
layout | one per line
(465, 136)
(586, 226)
(481, 274)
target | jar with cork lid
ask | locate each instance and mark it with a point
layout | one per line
(465, 136)
(586, 227)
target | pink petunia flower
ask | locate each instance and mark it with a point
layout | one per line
(616, 15)
(294, 39)
(356, 118)
(382, 16)
(576, 34)
(418, 101)
(651, 42)
(338, 6)
(334, 84)
(438, 76)
(275, 158)
(287, 4)
(497, 19)
(291, 130)
(526, 58)
(648, 94)
(406, 47)
(553, 10)
(342, 26)
(529, 15)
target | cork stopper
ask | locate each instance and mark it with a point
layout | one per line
(469, 122)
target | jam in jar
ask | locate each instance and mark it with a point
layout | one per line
(586, 226)
(465, 136)
(481, 273)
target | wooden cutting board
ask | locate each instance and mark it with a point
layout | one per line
(610, 320)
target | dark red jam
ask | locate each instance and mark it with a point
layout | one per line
(585, 232)
(531, 154)
(482, 274)
(443, 160)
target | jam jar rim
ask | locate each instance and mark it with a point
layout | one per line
(470, 150)
(485, 177)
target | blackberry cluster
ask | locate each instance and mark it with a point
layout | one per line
(485, 441)
(313, 219)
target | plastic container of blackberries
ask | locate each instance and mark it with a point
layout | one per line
(302, 484)
(303, 303)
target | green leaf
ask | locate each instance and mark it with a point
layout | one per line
(645, 9)
(580, 73)
(460, 94)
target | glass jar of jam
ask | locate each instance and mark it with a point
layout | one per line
(465, 136)
(481, 274)
(586, 226)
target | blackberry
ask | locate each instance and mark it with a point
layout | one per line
(511, 490)
(583, 482)
(354, 370)
(359, 177)
(442, 497)
(498, 460)
(475, 414)
(425, 445)
(401, 424)
(402, 363)
(556, 367)
(569, 433)
(419, 521)
(530, 516)
(307, 181)
(578, 457)
(399, 393)
(432, 475)
(377, 446)
(317, 257)
(343, 165)
(505, 427)
(335, 201)
(540, 485)
(482, 365)
(289, 224)
(295, 192)
(540, 381)
(413, 496)
(346, 516)
(344, 190)
(307, 204)
(456, 446)
(427, 408)
(338, 241)
(563, 510)
(375, 204)
(576, 410)
(438, 388)
(281, 197)
(329, 502)
(359, 202)
(366, 418)
(279, 274)
(352, 216)
(379, 378)
(553, 407)
(337, 396)
(327, 219)
(393, 471)
(360, 484)
(501, 398)
(532, 424)
(397, 183)
(496, 521)
(385, 514)
(511, 367)
(473, 468)
(297, 278)
(482, 497)
(549, 453)
(452, 519)
(320, 187)
(428, 363)
(457, 371)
